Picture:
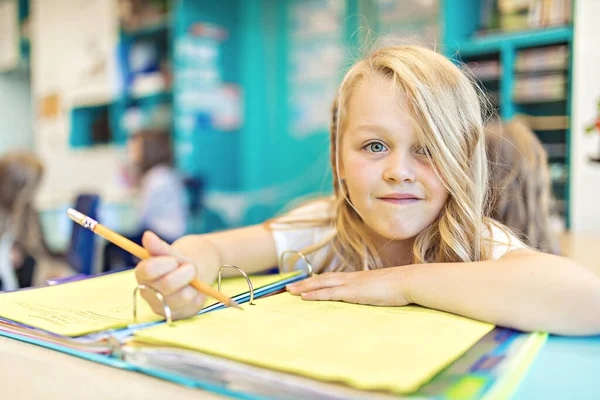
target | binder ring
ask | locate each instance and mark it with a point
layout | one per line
(158, 295)
(241, 272)
(309, 266)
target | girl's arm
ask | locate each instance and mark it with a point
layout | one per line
(524, 290)
(252, 249)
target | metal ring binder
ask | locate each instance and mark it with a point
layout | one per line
(158, 295)
(309, 266)
(241, 272)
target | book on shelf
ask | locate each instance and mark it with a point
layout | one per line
(521, 15)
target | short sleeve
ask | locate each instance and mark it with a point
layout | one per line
(501, 241)
(300, 229)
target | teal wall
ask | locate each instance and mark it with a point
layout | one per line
(207, 152)
(264, 162)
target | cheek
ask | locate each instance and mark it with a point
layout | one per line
(435, 187)
(358, 172)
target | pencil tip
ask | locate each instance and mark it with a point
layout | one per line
(232, 303)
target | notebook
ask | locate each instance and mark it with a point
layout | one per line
(491, 369)
(394, 349)
(104, 303)
(283, 347)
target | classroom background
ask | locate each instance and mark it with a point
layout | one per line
(244, 89)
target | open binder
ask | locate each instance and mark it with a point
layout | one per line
(221, 350)
(95, 315)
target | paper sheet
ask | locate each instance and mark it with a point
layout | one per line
(382, 348)
(91, 305)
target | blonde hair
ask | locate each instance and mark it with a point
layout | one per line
(520, 189)
(446, 108)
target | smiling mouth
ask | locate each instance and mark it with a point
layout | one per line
(393, 200)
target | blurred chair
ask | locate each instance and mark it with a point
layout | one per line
(80, 253)
(194, 187)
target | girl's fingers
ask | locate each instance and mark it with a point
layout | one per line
(338, 293)
(316, 283)
(185, 302)
(154, 268)
(155, 245)
(179, 278)
(192, 308)
(182, 298)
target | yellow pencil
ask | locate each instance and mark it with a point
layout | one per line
(142, 253)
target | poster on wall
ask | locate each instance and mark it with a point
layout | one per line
(9, 35)
(203, 100)
(315, 63)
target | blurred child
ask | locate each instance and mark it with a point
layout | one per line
(407, 222)
(520, 188)
(22, 243)
(161, 203)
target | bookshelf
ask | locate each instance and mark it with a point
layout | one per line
(527, 71)
(144, 98)
(141, 96)
(495, 42)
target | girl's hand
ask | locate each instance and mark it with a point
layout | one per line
(165, 272)
(382, 287)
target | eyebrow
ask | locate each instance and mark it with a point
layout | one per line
(370, 128)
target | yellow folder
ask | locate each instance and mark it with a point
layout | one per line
(96, 304)
(395, 349)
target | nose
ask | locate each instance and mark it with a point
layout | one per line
(399, 168)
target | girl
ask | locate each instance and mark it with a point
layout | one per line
(161, 205)
(407, 221)
(22, 242)
(520, 188)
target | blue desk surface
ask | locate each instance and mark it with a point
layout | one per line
(565, 368)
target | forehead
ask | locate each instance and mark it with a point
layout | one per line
(378, 102)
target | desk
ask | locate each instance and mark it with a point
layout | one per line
(32, 372)
(564, 366)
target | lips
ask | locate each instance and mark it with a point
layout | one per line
(400, 196)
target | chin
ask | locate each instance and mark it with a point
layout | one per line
(396, 232)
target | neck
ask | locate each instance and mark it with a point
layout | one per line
(394, 253)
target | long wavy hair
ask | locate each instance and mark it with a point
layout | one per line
(520, 188)
(448, 115)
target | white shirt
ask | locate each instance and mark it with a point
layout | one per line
(162, 206)
(288, 237)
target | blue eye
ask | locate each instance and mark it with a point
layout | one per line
(423, 151)
(375, 147)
